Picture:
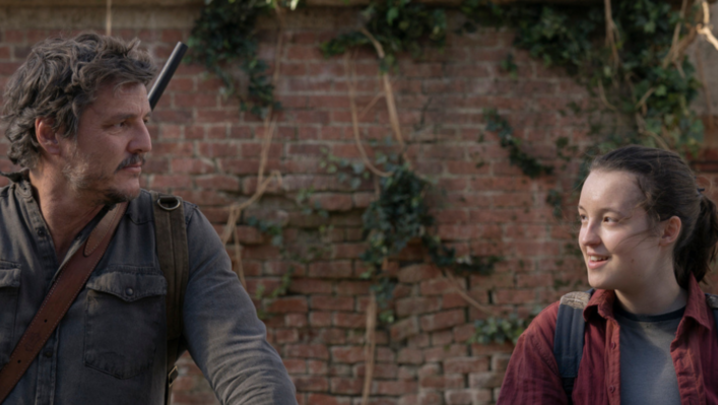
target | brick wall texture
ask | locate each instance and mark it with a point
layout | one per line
(206, 150)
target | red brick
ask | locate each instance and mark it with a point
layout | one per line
(218, 182)
(410, 356)
(349, 320)
(14, 36)
(351, 386)
(418, 272)
(349, 250)
(417, 305)
(295, 320)
(500, 361)
(394, 388)
(332, 303)
(462, 333)
(295, 366)
(332, 202)
(491, 348)
(442, 353)
(320, 319)
(466, 365)
(307, 351)
(310, 383)
(196, 100)
(486, 379)
(442, 382)
(349, 354)
(443, 320)
(332, 336)
(514, 296)
(310, 286)
(404, 328)
(324, 399)
(288, 304)
(176, 116)
(286, 335)
(335, 269)
(218, 149)
(439, 286)
(160, 181)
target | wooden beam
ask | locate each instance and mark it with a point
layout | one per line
(195, 3)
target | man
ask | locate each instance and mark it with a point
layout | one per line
(75, 114)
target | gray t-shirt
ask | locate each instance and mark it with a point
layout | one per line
(647, 372)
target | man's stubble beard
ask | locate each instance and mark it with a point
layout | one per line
(81, 178)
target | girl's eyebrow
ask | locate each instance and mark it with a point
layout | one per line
(604, 210)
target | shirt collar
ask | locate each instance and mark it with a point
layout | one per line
(16, 177)
(602, 302)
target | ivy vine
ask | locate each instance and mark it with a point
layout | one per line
(224, 34)
(528, 164)
(500, 330)
(399, 215)
(633, 63)
(641, 75)
(399, 26)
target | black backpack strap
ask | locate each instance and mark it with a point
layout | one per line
(712, 301)
(568, 339)
(173, 255)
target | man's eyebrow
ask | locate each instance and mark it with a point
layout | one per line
(124, 116)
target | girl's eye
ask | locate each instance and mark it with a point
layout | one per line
(609, 219)
(582, 218)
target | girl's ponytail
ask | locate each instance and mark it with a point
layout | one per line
(699, 249)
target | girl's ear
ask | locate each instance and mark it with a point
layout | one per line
(671, 230)
(47, 137)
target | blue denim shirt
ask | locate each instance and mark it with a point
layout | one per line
(110, 348)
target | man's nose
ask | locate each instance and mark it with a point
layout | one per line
(141, 141)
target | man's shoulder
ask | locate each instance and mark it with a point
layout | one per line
(140, 210)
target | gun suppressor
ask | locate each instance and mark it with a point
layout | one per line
(166, 74)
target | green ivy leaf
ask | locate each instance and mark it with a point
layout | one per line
(391, 15)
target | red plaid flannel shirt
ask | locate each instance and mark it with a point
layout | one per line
(532, 376)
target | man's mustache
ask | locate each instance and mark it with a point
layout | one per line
(132, 160)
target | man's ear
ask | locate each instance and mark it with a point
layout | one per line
(671, 230)
(47, 137)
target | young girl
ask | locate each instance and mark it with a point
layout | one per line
(647, 236)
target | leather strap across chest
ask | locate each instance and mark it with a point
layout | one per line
(62, 294)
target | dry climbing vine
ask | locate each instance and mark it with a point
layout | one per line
(631, 57)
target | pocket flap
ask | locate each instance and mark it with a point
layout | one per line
(129, 286)
(9, 278)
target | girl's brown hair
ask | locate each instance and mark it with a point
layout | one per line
(670, 189)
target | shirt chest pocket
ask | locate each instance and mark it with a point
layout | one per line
(9, 291)
(124, 322)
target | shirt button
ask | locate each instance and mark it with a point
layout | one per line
(129, 291)
(613, 345)
(612, 389)
(48, 353)
(41, 232)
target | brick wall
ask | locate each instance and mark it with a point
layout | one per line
(206, 151)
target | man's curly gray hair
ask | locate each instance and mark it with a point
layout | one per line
(59, 79)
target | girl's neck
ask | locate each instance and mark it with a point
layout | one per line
(659, 298)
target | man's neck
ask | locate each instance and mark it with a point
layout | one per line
(63, 209)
